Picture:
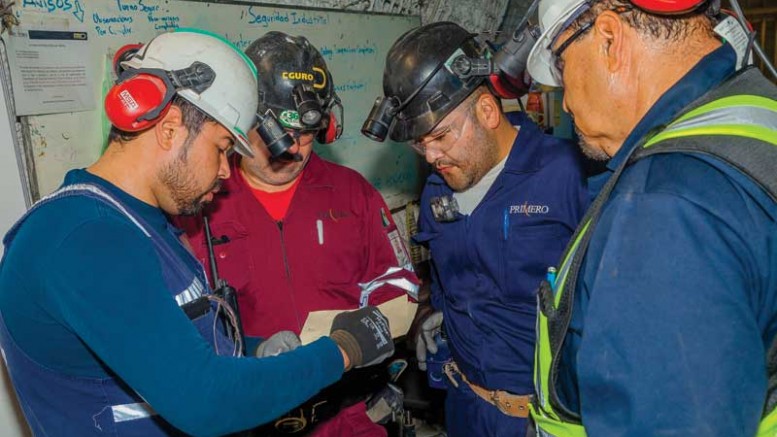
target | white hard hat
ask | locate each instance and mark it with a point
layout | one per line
(231, 99)
(555, 16)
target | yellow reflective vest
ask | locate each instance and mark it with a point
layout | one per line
(721, 122)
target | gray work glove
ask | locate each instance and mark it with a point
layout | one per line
(425, 343)
(278, 343)
(363, 335)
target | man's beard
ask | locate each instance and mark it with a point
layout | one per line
(183, 188)
(588, 149)
(480, 155)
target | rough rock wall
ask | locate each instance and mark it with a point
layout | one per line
(474, 15)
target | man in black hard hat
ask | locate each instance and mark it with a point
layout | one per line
(498, 210)
(296, 233)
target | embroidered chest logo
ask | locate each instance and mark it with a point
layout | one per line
(334, 215)
(528, 209)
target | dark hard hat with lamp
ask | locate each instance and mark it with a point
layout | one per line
(423, 81)
(295, 91)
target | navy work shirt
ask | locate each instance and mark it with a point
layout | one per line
(486, 266)
(82, 292)
(677, 299)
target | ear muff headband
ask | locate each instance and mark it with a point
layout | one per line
(668, 7)
(124, 53)
(143, 96)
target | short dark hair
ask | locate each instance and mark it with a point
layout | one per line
(673, 28)
(193, 118)
(476, 93)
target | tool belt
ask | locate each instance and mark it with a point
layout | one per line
(506, 402)
(355, 386)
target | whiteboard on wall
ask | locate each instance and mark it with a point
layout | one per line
(354, 46)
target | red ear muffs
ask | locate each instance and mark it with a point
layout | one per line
(138, 102)
(125, 53)
(668, 7)
(331, 132)
(507, 87)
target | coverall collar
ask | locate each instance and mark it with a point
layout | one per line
(311, 177)
(712, 70)
(152, 214)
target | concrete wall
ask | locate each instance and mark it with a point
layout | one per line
(474, 15)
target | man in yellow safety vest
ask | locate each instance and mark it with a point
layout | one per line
(662, 317)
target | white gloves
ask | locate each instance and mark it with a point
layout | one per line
(425, 342)
(278, 343)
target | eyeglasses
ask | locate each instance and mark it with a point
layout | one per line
(558, 63)
(444, 139)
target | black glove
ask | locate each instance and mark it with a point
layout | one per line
(364, 336)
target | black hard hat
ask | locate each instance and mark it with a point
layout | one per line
(292, 77)
(418, 75)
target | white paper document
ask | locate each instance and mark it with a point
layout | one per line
(49, 71)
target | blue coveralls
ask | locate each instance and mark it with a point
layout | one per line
(677, 291)
(486, 267)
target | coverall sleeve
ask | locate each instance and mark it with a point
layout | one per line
(385, 250)
(115, 300)
(671, 344)
(425, 233)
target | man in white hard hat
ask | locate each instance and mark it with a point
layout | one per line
(663, 316)
(107, 326)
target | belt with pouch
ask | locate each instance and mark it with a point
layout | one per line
(506, 402)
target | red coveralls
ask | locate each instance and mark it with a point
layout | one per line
(337, 233)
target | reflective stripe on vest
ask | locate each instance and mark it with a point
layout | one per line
(127, 412)
(745, 116)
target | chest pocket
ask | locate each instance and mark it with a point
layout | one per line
(530, 247)
(233, 254)
(340, 245)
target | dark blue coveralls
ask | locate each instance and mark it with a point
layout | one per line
(486, 267)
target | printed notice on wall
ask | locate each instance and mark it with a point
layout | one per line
(49, 71)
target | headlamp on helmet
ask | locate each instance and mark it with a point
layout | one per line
(308, 106)
(378, 122)
(277, 140)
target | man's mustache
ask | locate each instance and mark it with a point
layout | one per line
(287, 157)
(443, 163)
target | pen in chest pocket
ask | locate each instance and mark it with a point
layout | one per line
(505, 223)
(320, 230)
